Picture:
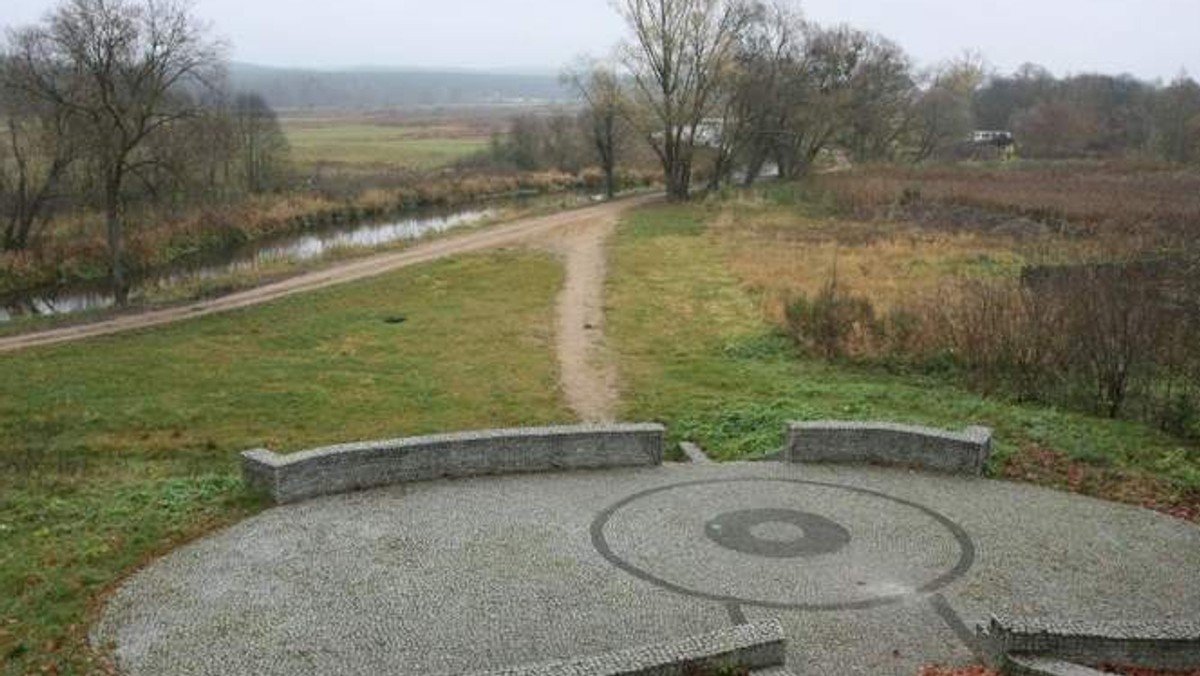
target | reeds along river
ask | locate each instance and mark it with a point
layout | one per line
(303, 246)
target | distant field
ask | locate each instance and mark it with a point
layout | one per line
(416, 144)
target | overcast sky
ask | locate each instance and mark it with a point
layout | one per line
(1148, 38)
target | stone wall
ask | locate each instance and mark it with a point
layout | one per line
(889, 444)
(1032, 665)
(1154, 645)
(759, 645)
(347, 467)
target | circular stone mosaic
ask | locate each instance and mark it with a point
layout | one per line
(783, 543)
(777, 533)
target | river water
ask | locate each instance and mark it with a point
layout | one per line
(304, 246)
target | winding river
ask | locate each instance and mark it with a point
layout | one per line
(301, 246)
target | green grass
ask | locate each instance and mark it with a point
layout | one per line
(114, 449)
(350, 142)
(696, 354)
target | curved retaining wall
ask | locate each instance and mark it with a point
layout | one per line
(347, 467)
(746, 647)
(891, 444)
(1152, 645)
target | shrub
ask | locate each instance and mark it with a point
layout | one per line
(1101, 337)
(833, 324)
(1116, 338)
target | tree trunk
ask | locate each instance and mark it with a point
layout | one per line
(10, 235)
(606, 146)
(669, 166)
(722, 169)
(17, 233)
(783, 160)
(116, 270)
(754, 167)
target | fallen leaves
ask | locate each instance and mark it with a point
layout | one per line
(977, 670)
(1047, 467)
(974, 670)
(1138, 671)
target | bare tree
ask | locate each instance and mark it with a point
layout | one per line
(741, 99)
(195, 160)
(771, 51)
(942, 113)
(125, 72)
(538, 141)
(38, 150)
(816, 94)
(679, 53)
(881, 91)
(1178, 120)
(605, 109)
(264, 149)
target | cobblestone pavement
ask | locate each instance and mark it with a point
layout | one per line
(870, 570)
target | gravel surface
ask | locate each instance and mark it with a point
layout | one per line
(454, 576)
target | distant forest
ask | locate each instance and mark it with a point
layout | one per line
(1092, 115)
(365, 89)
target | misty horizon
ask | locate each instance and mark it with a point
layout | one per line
(1149, 41)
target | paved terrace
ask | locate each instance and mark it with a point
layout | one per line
(870, 571)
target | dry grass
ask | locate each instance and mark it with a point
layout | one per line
(782, 253)
(896, 235)
(1141, 203)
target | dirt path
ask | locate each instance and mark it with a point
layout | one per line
(524, 230)
(587, 373)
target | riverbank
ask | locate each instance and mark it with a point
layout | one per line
(73, 250)
(522, 231)
(271, 260)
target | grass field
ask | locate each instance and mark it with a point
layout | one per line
(114, 449)
(377, 144)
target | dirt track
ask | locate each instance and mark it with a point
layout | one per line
(527, 230)
(586, 372)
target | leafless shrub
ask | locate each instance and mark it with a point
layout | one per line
(833, 324)
(1006, 336)
(1116, 338)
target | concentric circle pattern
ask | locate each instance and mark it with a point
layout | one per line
(783, 543)
(777, 533)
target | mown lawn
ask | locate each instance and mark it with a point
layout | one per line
(697, 353)
(355, 142)
(114, 449)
